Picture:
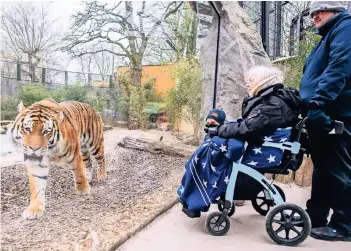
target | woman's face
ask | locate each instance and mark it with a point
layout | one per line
(249, 86)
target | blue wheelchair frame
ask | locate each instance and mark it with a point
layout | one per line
(269, 191)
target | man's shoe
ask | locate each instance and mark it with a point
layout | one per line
(329, 234)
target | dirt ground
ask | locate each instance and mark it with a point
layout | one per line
(138, 185)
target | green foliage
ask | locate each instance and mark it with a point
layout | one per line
(75, 92)
(151, 94)
(293, 66)
(136, 97)
(184, 100)
(9, 107)
(30, 94)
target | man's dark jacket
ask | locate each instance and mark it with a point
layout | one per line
(274, 107)
(326, 80)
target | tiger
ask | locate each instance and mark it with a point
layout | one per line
(66, 134)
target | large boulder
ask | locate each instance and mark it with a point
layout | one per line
(240, 48)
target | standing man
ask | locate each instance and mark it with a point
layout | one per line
(326, 92)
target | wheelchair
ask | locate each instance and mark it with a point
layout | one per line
(284, 217)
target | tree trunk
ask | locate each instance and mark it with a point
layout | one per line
(135, 104)
(156, 147)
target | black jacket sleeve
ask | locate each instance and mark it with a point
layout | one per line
(263, 119)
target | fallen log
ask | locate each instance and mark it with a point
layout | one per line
(157, 147)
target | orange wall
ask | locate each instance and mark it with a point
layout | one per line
(162, 73)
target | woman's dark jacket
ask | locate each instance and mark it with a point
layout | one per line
(274, 107)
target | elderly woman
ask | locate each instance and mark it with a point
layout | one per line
(268, 107)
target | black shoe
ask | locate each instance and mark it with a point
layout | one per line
(329, 234)
(191, 214)
(297, 218)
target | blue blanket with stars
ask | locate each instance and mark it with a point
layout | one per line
(208, 170)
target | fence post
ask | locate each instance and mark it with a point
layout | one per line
(111, 84)
(265, 25)
(279, 29)
(18, 72)
(66, 77)
(89, 78)
(43, 75)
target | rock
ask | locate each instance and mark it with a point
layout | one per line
(240, 48)
(107, 127)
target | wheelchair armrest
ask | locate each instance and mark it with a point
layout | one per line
(293, 147)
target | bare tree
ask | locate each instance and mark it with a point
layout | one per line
(119, 25)
(27, 33)
(178, 37)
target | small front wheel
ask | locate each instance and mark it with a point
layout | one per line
(288, 224)
(230, 212)
(214, 227)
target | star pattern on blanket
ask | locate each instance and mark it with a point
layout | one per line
(196, 159)
(257, 150)
(252, 163)
(204, 165)
(223, 148)
(205, 183)
(182, 190)
(271, 158)
(213, 168)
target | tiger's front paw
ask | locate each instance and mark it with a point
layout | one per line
(32, 213)
(101, 175)
(83, 188)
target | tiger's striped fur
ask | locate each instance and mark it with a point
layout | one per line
(65, 133)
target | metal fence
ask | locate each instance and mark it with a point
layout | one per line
(280, 23)
(22, 72)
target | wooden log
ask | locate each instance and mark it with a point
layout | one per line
(157, 147)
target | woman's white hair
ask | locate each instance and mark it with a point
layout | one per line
(262, 76)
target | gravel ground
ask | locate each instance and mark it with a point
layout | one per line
(138, 185)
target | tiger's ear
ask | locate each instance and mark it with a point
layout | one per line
(60, 115)
(20, 107)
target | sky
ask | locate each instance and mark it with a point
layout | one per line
(62, 10)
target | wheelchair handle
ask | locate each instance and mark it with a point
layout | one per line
(337, 130)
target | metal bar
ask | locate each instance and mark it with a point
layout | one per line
(18, 72)
(217, 55)
(265, 25)
(349, 6)
(66, 77)
(43, 75)
(279, 29)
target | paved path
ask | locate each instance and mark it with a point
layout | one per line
(174, 231)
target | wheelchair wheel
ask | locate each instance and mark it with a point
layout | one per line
(284, 229)
(214, 228)
(261, 204)
(221, 207)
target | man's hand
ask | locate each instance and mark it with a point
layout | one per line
(320, 119)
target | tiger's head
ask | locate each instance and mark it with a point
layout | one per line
(37, 128)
